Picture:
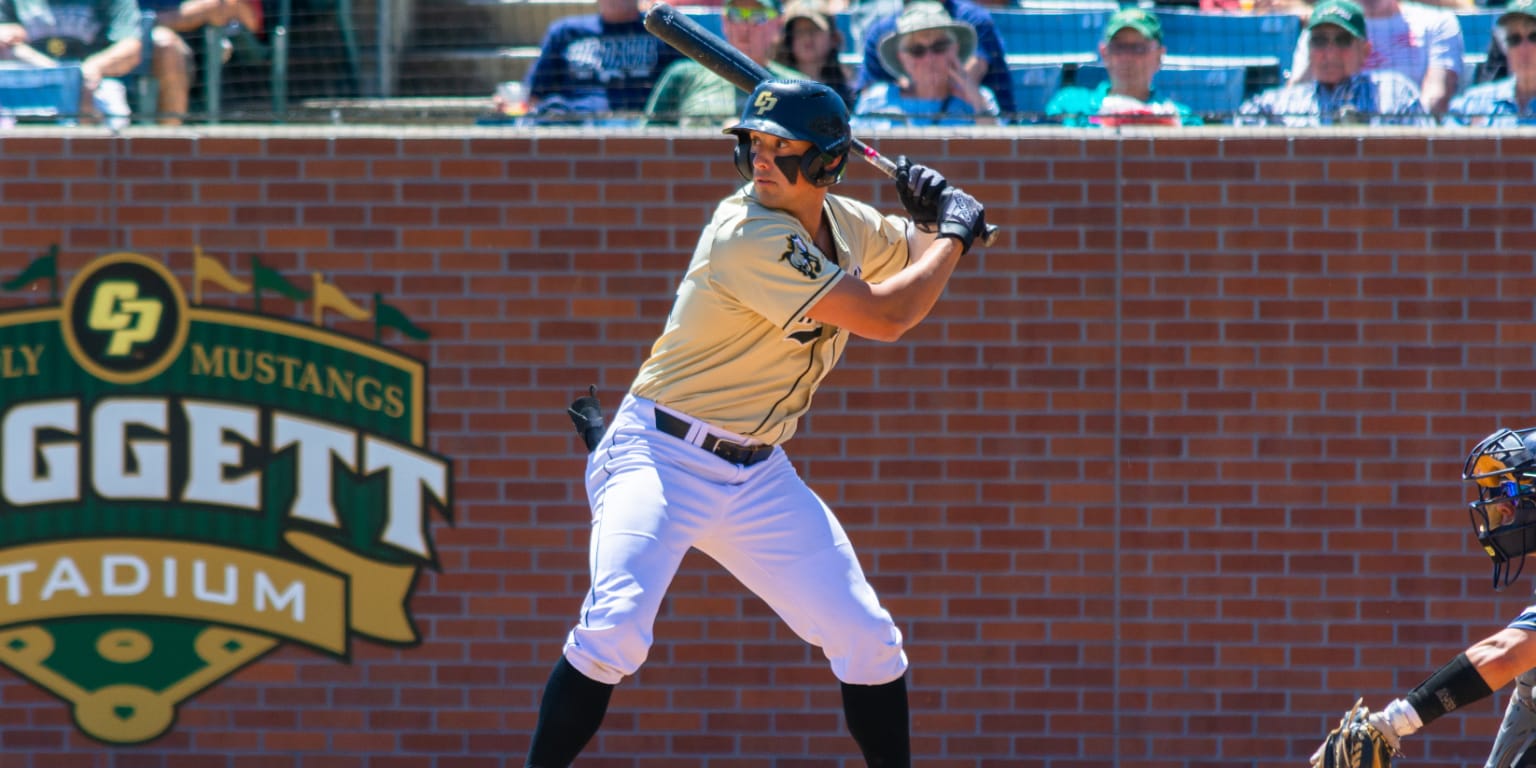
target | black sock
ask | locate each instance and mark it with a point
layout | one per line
(877, 718)
(572, 709)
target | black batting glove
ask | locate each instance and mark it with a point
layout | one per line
(919, 188)
(960, 216)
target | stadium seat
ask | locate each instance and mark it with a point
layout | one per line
(1050, 37)
(1033, 86)
(1206, 91)
(708, 17)
(273, 55)
(1238, 39)
(1476, 34)
(40, 92)
(844, 22)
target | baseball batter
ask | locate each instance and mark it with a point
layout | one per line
(782, 275)
(1502, 470)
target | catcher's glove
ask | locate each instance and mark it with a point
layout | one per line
(1362, 740)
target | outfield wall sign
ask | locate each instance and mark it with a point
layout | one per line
(184, 488)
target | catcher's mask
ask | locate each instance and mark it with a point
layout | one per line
(801, 110)
(1503, 470)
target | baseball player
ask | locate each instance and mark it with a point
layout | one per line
(1503, 470)
(781, 276)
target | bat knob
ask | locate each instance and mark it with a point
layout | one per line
(989, 234)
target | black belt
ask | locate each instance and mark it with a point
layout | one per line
(735, 453)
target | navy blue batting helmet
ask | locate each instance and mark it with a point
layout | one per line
(803, 110)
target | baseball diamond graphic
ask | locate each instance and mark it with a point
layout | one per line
(186, 487)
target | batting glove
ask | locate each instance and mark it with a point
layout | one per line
(919, 188)
(960, 216)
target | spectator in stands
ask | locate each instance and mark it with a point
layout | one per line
(810, 44)
(1132, 50)
(689, 94)
(1343, 92)
(1293, 7)
(1420, 42)
(926, 51)
(102, 37)
(989, 68)
(176, 53)
(1512, 100)
(596, 65)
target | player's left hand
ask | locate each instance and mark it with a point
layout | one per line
(1362, 740)
(919, 188)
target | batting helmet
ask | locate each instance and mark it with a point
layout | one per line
(1503, 469)
(803, 110)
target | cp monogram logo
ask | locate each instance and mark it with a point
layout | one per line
(765, 101)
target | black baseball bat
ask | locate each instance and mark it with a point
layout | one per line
(723, 59)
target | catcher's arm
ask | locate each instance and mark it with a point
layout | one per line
(587, 415)
(1366, 739)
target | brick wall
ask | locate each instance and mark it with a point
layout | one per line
(1169, 478)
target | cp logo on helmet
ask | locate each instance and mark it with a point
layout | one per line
(801, 110)
(1503, 469)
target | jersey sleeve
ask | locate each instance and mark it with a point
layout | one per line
(548, 73)
(667, 96)
(771, 269)
(1446, 47)
(124, 22)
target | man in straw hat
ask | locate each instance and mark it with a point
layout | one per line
(988, 68)
(926, 52)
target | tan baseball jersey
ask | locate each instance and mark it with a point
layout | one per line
(738, 350)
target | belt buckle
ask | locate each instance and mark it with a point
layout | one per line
(735, 453)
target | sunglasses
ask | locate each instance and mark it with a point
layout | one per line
(1337, 41)
(1130, 49)
(937, 48)
(756, 15)
(1513, 39)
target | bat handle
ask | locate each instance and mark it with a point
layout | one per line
(988, 234)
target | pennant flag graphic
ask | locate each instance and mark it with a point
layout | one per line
(326, 296)
(205, 269)
(46, 266)
(269, 279)
(386, 316)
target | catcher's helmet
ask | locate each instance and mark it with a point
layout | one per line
(803, 110)
(1503, 470)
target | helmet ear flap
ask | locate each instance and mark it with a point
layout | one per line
(743, 156)
(814, 164)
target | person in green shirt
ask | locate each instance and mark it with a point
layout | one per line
(1132, 50)
(689, 94)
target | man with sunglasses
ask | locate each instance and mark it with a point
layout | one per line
(926, 50)
(689, 94)
(1512, 100)
(1417, 41)
(1132, 51)
(1342, 91)
(988, 68)
(1502, 472)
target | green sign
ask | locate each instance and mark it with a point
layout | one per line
(183, 487)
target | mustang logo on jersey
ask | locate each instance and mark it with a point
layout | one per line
(800, 257)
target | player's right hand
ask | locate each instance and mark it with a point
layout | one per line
(961, 216)
(919, 188)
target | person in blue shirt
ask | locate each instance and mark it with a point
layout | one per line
(1342, 92)
(926, 51)
(594, 65)
(1511, 100)
(989, 68)
(1132, 50)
